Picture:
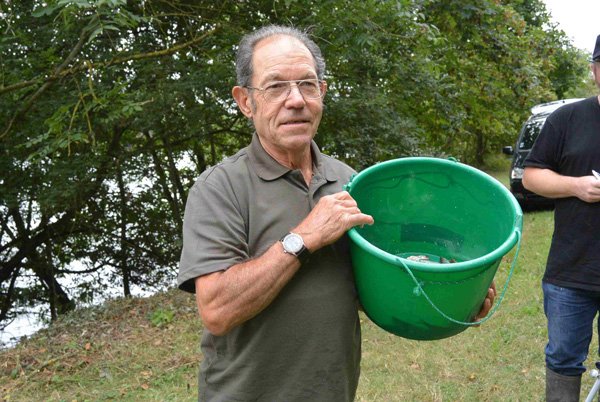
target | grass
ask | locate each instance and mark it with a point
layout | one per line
(136, 349)
(147, 349)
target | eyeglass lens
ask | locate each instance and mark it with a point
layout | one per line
(278, 91)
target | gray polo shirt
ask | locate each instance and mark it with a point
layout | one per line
(305, 346)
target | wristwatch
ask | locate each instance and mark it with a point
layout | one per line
(293, 244)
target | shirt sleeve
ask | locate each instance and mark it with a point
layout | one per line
(546, 150)
(214, 234)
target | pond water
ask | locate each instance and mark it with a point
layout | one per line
(29, 323)
(24, 325)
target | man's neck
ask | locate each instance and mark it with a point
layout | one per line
(302, 162)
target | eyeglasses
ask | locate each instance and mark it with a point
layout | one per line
(278, 91)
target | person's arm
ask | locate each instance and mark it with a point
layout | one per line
(550, 184)
(228, 298)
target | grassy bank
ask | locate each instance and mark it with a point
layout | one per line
(148, 349)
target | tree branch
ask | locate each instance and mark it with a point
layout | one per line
(81, 67)
(23, 109)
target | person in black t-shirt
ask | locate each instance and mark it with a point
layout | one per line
(560, 166)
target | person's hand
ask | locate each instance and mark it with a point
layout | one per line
(488, 302)
(588, 189)
(330, 219)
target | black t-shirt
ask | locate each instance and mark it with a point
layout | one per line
(569, 144)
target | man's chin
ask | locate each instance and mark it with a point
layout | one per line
(299, 142)
(297, 133)
(296, 128)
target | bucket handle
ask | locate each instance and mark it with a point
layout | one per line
(420, 288)
(349, 184)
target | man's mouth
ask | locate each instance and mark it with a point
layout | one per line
(295, 121)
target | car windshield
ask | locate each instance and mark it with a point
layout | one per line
(530, 132)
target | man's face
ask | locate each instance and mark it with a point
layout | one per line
(287, 126)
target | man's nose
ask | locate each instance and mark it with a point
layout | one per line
(295, 98)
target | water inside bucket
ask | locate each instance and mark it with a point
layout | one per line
(427, 258)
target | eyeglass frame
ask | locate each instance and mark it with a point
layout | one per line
(291, 84)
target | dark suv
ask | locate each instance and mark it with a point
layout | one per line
(527, 136)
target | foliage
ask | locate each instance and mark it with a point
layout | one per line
(160, 317)
(109, 110)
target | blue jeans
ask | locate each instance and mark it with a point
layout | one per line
(570, 313)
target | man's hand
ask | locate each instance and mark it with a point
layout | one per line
(488, 302)
(330, 219)
(588, 189)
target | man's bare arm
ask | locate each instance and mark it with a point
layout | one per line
(228, 298)
(553, 185)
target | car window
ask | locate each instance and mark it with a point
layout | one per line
(531, 130)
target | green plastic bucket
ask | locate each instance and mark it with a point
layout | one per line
(437, 208)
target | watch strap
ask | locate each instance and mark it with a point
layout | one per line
(303, 255)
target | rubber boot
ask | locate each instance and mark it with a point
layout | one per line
(562, 388)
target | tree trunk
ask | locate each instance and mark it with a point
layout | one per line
(162, 179)
(123, 235)
(200, 160)
(7, 302)
(480, 149)
(59, 300)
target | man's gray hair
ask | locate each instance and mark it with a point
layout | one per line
(243, 60)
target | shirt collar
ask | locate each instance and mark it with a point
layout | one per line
(267, 168)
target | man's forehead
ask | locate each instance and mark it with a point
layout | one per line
(275, 51)
(279, 40)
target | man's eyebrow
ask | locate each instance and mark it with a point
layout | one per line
(277, 77)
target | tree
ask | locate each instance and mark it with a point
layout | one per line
(487, 73)
(82, 169)
(110, 109)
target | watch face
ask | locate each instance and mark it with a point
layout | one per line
(293, 243)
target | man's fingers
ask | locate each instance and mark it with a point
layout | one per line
(486, 306)
(491, 293)
(342, 195)
(485, 309)
(348, 203)
(338, 199)
(360, 219)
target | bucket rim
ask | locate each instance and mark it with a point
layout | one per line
(462, 266)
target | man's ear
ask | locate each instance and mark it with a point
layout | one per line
(243, 100)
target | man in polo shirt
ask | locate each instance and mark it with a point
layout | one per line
(264, 245)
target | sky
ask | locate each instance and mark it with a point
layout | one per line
(579, 19)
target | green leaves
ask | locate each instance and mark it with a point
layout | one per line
(128, 110)
(71, 5)
(78, 3)
(160, 317)
(47, 10)
(104, 129)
